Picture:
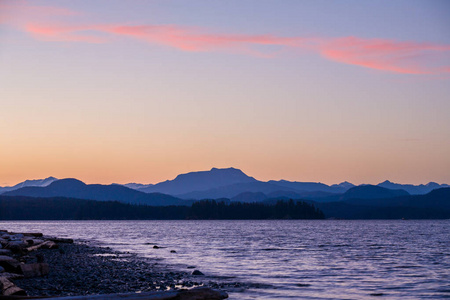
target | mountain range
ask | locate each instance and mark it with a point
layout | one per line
(230, 183)
(345, 200)
(36, 182)
(73, 188)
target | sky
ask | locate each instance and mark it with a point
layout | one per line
(140, 91)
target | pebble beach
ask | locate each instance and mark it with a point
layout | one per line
(61, 267)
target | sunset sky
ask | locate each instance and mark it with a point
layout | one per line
(140, 91)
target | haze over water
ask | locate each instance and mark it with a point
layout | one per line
(287, 259)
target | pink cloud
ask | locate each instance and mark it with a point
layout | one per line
(378, 54)
(19, 11)
(386, 55)
(196, 39)
(64, 33)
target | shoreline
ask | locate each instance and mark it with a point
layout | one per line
(65, 268)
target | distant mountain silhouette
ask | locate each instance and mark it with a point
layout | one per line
(413, 189)
(372, 192)
(231, 182)
(249, 197)
(137, 186)
(35, 182)
(200, 181)
(73, 188)
(230, 191)
(434, 205)
(344, 185)
(310, 186)
(439, 198)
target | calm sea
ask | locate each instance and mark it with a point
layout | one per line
(287, 259)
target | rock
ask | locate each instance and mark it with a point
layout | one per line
(8, 288)
(14, 243)
(197, 273)
(2, 270)
(173, 251)
(5, 252)
(9, 263)
(155, 247)
(15, 249)
(16, 237)
(12, 276)
(34, 270)
(191, 267)
(16, 246)
(6, 237)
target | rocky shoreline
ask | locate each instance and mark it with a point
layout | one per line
(34, 265)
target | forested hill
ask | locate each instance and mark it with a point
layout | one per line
(57, 208)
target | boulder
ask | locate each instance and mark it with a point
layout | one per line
(16, 237)
(197, 273)
(12, 276)
(7, 288)
(9, 263)
(16, 246)
(2, 270)
(5, 252)
(34, 270)
(16, 242)
(5, 237)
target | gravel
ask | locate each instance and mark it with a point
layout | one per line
(80, 269)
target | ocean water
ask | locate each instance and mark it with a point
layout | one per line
(286, 259)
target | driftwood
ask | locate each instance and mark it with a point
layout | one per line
(34, 242)
(35, 234)
(61, 240)
(45, 245)
(8, 288)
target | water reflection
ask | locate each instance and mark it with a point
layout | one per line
(287, 259)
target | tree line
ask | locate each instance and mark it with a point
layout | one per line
(27, 208)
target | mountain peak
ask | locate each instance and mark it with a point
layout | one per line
(200, 180)
(67, 183)
(372, 192)
(214, 169)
